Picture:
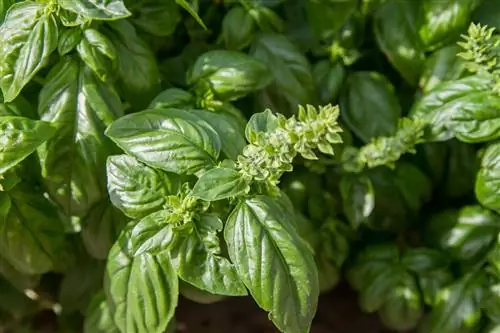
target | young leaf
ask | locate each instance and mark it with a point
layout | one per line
(20, 137)
(167, 139)
(358, 199)
(96, 9)
(220, 183)
(273, 262)
(74, 160)
(98, 53)
(138, 73)
(488, 178)
(369, 105)
(136, 189)
(198, 260)
(28, 36)
(141, 286)
(397, 36)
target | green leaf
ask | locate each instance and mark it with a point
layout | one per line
(136, 189)
(327, 17)
(443, 65)
(238, 28)
(159, 18)
(28, 36)
(96, 9)
(138, 73)
(17, 279)
(290, 69)
(329, 78)
(270, 256)
(191, 6)
(467, 235)
(229, 74)
(4, 6)
(261, 122)
(20, 137)
(98, 53)
(369, 105)
(73, 162)
(358, 199)
(443, 21)
(101, 228)
(172, 98)
(31, 233)
(197, 259)
(440, 105)
(141, 286)
(68, 40)
(220, 183)
(396, 34)
(168, 139)
(98, 318)
(457, 308)
(487, 186)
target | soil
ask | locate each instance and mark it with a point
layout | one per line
(338, 312)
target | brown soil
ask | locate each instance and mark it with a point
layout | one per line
(338, 312)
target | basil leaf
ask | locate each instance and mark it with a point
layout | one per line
(238, 28)
(369, 105)
(487, 185)
(136, 189)
(438, 106)
(258, 232)
(98, 53)
(396, 34)
(442, 21)
(358, 199)
(229, 74)
(172, 98)
(20, 137)
(4, 6)
(138, 73)
(467, 235)
(261, 122)
(73, 162)
(167, 139)
(31, 233)
(17, 279)
(96, 9)
(141, 286)
(28, 36)
(98, 318)
(191, 6)
(197, 295)
(443, 65)
(159, 18)
(457, 308)
(101, 228)
(68, 40)
(198, 260)
(220, 183)
(329, 78)
(327, 17)
(290, 69)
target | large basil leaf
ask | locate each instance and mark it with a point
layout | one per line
(159, 18)
(141, 283)
(358, 199)
(442, 65)
(458, 306)
(28, 36)
(442, 21)
(101, 228)
(369, 105)
(98, 53)
(138, 73)
(96, 9)
(74, 160)
(438, 107)
(198, 260)
(396, 34)
(270, 256)
(136, 189)
(229, 74)
(327, 17)
(98, 318)
(31, 233)
(20, 137)
(169, 139)
(290, 69)
(488, 178)
(467, 234)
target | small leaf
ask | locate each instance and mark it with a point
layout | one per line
(220, 183)
(358, 199)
